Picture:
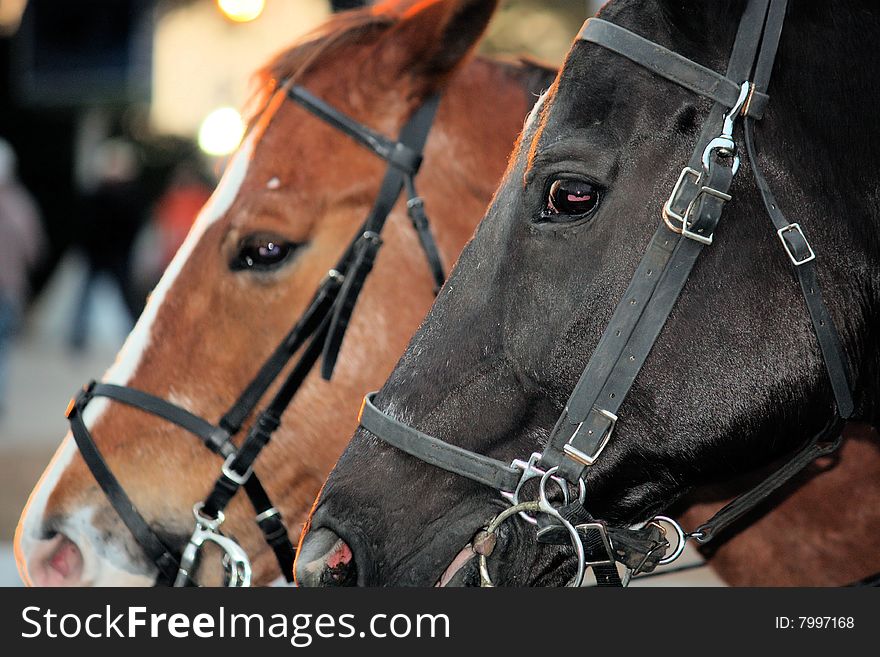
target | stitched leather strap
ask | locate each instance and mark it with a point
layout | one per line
(822, 444)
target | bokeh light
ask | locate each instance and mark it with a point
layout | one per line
(241, 11)
(221, 131)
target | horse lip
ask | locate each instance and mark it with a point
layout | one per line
(455, 575)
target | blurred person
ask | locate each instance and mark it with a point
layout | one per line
(111, 216)
(22, 242)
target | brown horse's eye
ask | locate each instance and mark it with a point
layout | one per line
(570, 199)
(262, 253)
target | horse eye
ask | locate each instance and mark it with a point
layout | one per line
(570, 199)
(262, 253)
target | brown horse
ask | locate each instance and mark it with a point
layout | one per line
(207, 327)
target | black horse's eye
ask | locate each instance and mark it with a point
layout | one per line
(570, 199)
(262, 253)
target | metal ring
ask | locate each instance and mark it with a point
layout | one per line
(531, 471)
(679, 532)
(534, 507)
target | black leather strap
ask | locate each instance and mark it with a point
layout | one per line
(318, 309)
(165, 559)
(399, 154)
(241, 465)
(794, 241)
(167, 411)
(214, 437)
(592, 408)
(822, 444)
(671, 65)
(451, 458)
(415, 207)
(414, 134)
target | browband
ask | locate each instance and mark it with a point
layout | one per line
(670, 65)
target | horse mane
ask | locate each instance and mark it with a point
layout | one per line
(338, 32)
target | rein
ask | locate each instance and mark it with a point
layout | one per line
(318, 332)
(690, 217)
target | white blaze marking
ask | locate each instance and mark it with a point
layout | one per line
(125, 366)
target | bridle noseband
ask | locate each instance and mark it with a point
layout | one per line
(318, 333)
(690, 217)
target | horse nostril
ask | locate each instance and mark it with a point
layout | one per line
(325, 560)
(55, 562)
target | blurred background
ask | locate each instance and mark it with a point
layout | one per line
(116, 117)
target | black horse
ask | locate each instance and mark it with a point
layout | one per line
(735, 380)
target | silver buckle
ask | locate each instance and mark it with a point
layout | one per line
(231, 474)
(670, 215)
(606, 542)
(588, 459)
(797, 228)
(268, 513)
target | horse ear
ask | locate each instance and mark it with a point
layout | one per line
(433, 37)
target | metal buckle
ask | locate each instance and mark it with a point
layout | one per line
(588, 459)
(232, 475)
(670, 215)
(268, 513)
(606, 543)
(372, 237)
(797, 228)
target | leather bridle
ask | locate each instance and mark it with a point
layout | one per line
(690, 217)
(317, 333)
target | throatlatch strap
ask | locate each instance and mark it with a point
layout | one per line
(794, 242)
(822, 444)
